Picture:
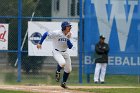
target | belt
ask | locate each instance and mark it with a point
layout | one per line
(60, 51)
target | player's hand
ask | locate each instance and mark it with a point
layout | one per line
(68, 35)
(39, 46)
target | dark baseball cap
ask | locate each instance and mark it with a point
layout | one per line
(65, 24)
(102, 37)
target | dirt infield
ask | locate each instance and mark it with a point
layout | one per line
(41, 89)
(55, 89)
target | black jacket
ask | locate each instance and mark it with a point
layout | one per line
(102, 51)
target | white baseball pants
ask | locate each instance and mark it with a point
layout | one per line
(63, 60)
(100, 71)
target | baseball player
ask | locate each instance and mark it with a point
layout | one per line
(61, 42)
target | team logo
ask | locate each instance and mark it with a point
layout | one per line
(35, 38)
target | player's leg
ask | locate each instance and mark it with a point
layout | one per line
(65, 77)
(57, 73)
(103, 72)
(61, 63)
(59, 58)
(67, 70)
(97, 72)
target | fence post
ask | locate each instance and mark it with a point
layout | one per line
(80, 42)
(88, 78)
(138, 79)
(19, 38)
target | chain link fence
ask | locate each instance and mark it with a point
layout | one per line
(38, 69)
(34, 69)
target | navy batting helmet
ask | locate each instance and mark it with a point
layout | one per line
(64, 25)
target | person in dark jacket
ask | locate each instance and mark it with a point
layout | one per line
(102, 50)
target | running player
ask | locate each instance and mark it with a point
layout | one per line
(61, 42)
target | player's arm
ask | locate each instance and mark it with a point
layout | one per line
(98, 49)
(107, 49)
(69, 44)
(42, 39)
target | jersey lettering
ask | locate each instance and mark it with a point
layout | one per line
(62, 39)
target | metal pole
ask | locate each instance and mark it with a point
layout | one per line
(30, 20)
(138, 79)
(139, 37)
(19, 38)
(88, 78)
(27, 31)
(80, 42)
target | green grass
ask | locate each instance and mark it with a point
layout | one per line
(12, 91)
(48, 78)
(116, 90)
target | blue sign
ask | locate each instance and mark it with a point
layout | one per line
(119, 22)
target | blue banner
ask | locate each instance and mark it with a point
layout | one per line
(119, 22)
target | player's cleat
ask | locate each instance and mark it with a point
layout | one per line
(102, 82)
(63, 85)
(96, 82)
(57, 76)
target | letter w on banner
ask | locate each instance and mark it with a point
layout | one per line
(4, 36)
